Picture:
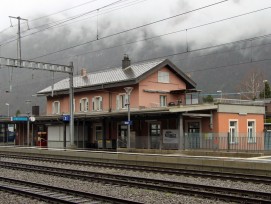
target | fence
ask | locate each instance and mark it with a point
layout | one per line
(205, 141)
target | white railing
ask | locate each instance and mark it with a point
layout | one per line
(236, 101)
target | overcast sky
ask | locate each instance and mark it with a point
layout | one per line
(146, 11)
(125, 15)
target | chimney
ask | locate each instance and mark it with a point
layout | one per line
(83, 72)
(126, 62)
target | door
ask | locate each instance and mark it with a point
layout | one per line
(98, 135)
(267, 140)
(122, 136)
(155, 135)
(194, 134)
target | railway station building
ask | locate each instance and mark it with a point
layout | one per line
(165, 108)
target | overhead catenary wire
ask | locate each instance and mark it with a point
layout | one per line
(188, 72)
(233, 64)
(61, 11)
(61, 22)
(131, 29)
(182, 30)
(190, 28)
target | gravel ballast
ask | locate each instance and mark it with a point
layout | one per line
(141, 195)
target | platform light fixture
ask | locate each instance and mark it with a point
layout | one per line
(7, 104)
(128, 92)
(264, 84)
(220, 91)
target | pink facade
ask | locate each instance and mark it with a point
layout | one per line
(158, 104)
(145, 94)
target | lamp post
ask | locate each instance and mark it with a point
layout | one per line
(220, 91)
(128, 92)
(7, 104)
(264, 83)
(28, 125)
(239, 96)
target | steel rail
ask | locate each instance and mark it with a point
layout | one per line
(185, 172)
(206, 191)
(55, 194)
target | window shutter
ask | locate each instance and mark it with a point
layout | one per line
(93, 104)
(117, 102)
(53, 108)
(58, 107)
(101, 103)
(81, 105)
(86, 104)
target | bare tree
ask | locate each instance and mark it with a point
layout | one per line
(251, 85)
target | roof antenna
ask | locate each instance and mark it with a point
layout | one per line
(53, 85)
(97, 24)
(186, 41)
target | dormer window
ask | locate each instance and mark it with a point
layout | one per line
(56, 107)
(163, 77)
(83, 105)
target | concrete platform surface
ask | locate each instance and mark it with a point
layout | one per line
(255, 164)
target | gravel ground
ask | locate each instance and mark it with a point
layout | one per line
(8, 198)
(186, 179)
(140, 195)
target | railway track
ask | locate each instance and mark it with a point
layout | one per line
(178, 172)
(55, 194)
(206, 191)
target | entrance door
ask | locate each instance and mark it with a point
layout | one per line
(122, 136)
(155, 134)
(194, 134)
(98, 135)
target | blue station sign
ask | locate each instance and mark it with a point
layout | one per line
(66, 118)
(128, 122)
(20, 118)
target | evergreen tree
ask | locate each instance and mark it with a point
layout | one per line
(266, 92)
(208, 99)
(18, 112)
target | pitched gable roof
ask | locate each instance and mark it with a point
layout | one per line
(113, 77)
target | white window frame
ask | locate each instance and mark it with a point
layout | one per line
(163, 101)
(122, 101)
(251, 131)
(97, 103)
(163, 77)
(84, 105)
(233, 140)
(56, 107)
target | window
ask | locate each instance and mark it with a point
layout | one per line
(233, 132)
(122, 101)
(84, 105)
(56, 107)
(97, 103)
(163, 77)
(251, 131)
(163, 101)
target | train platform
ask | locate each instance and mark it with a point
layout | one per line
(255, 163)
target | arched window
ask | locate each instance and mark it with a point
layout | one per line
(97, 103)
(56, 107)
(83, 104)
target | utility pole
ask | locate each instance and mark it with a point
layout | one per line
(19, 48)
